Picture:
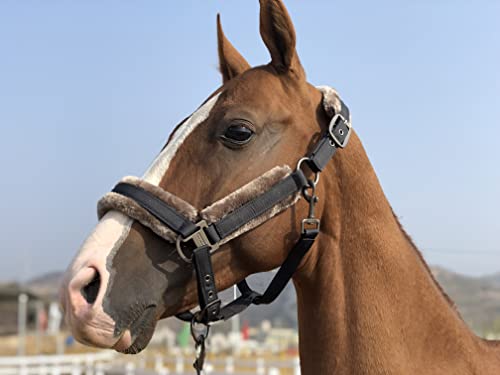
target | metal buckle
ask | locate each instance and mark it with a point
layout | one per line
(311, 224)
(198, 316)
(199, 238)
(334, 121)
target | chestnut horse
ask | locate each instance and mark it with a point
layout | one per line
(367, 303)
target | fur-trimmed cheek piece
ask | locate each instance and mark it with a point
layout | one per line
(212, 213)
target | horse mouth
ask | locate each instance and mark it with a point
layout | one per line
(138, 335)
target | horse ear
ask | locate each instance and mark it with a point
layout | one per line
(278, 34)
(231, 63)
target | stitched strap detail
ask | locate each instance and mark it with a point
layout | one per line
(259, 205)
(207, 292)
(156, 207)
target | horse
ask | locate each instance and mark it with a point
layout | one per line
(367, 302)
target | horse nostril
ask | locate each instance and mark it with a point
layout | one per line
(90, 291)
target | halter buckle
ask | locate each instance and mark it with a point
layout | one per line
(311, 222)
(340, 130)
(199, 238)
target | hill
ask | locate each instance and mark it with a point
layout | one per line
(477, 298)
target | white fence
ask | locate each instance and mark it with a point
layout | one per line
(78, 364)
(108, 362)
(259, 366)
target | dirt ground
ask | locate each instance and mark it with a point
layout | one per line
(45, 345)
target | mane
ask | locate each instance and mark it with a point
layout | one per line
(426, 266)
(492, 343)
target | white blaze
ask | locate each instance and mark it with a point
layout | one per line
(157, 170)
(153, 175)
(114, 227)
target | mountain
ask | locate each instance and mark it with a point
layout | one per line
(477, 298)
(494, 279)
(281, 313)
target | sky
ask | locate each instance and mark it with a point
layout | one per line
(90, 90)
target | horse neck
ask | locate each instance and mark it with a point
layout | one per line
(367, 302)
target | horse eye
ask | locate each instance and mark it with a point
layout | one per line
(237, 135)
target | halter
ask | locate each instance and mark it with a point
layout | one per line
(176, 221)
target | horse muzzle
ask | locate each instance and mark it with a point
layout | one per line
(84, 284)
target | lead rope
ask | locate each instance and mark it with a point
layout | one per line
(199, 337)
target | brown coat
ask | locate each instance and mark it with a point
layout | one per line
(367, 302)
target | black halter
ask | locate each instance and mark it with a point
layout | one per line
(202, 238)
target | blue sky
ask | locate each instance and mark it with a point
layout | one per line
(90, 90)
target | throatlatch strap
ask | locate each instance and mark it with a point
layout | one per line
(288, 268)
(158, 208)
(278, 283)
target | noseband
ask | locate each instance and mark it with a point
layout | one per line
(196, 240)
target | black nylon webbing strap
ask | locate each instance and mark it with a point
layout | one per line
(278, 283)
(156, 207)
(321, 155)
(207, 292)
(259, 205)
(239, 305)
(344, 110)
(326, 147)
(288, 268)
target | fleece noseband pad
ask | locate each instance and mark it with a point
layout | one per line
(233, 201)
(213, 213)
(128, 207)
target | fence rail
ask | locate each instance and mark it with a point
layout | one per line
(108, 363)
(77, 364)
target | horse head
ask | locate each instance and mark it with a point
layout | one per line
(247, 135)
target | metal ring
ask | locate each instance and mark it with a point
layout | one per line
(202, 334)
(180, 252)
(198, 238)
(316, 178)
(316, 174)
(299, 163)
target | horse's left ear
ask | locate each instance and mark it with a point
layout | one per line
(278, 33)
(231, 63)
